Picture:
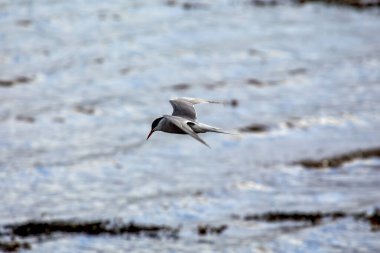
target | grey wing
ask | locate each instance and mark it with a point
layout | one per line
(184, 107)
(182, 124)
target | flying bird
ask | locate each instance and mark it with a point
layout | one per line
(184, 120)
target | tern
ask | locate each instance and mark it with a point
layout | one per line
(184, 119)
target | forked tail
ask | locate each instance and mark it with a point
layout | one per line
(219, 130)
(207, 128)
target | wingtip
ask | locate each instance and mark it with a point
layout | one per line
(203, 142)
(197, 100)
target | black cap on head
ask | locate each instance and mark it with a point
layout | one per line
(156, 121)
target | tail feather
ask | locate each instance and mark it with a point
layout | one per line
(206, 128)
(219, 130)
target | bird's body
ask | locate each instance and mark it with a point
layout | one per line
(184, 120)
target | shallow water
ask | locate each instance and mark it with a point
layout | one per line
(72, 137)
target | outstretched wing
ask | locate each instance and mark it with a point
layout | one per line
(182, 124)
(184, 107)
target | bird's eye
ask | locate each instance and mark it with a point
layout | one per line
(155, 122)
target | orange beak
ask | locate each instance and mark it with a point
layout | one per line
(151, 131)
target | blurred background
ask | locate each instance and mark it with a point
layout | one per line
(81, 81)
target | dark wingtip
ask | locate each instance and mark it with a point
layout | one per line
(206, 145)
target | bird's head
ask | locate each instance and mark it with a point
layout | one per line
(155, 126)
